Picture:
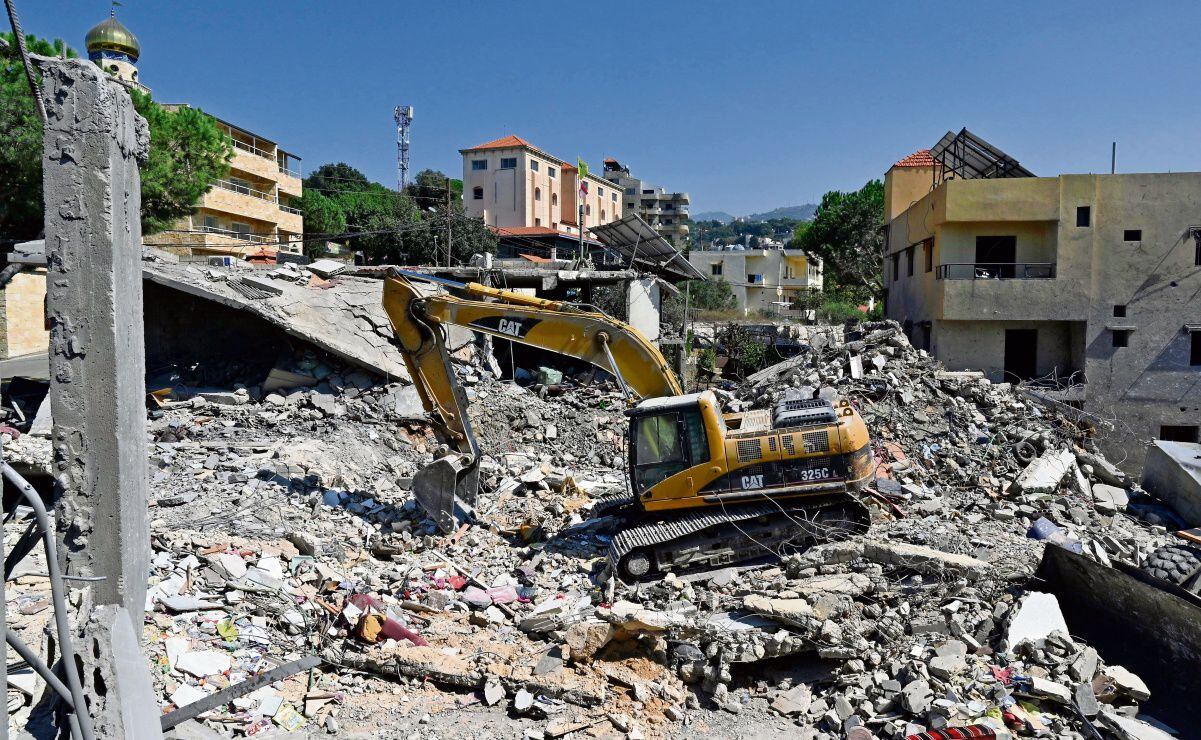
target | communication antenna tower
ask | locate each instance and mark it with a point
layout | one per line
(404, 116)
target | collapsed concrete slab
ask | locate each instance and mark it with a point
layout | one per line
(1173, 473)
(345, 318)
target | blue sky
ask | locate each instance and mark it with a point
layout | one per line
(745, 105)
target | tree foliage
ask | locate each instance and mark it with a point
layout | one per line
(389, 227)
(707, 233)
(847, 233)
(704, 295)
(187, 152)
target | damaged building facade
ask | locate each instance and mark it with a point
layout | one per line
(1083, 285)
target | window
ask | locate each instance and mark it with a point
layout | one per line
(538, 194)
(715, 268)
(896, 267)
(588, 210)
(929, 245)
(1121, 337)
(909, 262)
(550, 172)
(508, 163)
(603, 216)
(479, 164)
(533, 165)
(1181, 433)
(1194, 353)
(554, 199)
(600, 192)
(630, 191)
(211, 222)
(477, 193)
(1084, 215)
(1119, 312)
(613, 197)
(658, 452)
(649, 192)
(537, 222)
(698, 444)
(1132, 235)
(754, 278)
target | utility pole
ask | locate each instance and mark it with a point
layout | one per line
(684, 349)
(449, 253)
(1113, 158)
(403, 115)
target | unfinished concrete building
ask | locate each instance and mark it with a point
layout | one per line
(1085, 285)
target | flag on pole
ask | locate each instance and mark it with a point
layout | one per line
(582, 167)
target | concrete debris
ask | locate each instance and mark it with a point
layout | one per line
(293, 532)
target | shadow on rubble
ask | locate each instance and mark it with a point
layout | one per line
(359, 504)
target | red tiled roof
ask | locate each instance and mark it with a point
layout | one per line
(524, 230)
(920, 158)
(534, 258)
(504, 142)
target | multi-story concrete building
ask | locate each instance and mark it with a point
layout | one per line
(1088, 285)
(763, 280)
(512, 184)
(252, 210)
(666, 212)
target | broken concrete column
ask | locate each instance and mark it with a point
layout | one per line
(92, 142)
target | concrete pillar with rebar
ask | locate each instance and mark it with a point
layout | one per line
(93, 141)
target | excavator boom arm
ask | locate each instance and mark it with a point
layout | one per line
(419, 320)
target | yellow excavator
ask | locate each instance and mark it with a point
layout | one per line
(706, 489)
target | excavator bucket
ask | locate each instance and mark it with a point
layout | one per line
(447, 488)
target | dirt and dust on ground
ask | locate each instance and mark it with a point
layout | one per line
(284, 527)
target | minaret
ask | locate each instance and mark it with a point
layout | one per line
(115, 50)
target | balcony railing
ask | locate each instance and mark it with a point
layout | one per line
(285, 171)
(997, 271)
(290, 209)
(252, 149)
(245, 190)
(240, 235)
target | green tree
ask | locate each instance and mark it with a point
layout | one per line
(847, 232)
(21, 132)
(187, 152)
(322, 217)
(711, 295)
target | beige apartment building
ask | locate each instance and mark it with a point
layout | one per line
(666, 212)
(512, 184)
(253, 210)
(763, 280)
(1086, 285)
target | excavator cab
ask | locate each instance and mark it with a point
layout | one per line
(667, 436)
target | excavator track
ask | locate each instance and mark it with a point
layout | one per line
(718, 536)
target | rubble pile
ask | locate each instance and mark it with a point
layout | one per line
(284, 530)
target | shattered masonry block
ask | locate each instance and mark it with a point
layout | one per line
(924, 559)
(1045, 473)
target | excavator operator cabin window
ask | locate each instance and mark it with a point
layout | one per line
(658, 449)
(698, 445)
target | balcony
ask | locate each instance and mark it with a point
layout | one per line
(290, 173)
(290, 209)
(244, 190)
(252, 148)
(996, 271)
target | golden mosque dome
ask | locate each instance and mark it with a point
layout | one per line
(111, 35)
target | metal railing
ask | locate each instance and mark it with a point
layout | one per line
(252, 148)
(240, 235)
(996, 271)
(245, 190)
(285, 171)
(290, 209)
